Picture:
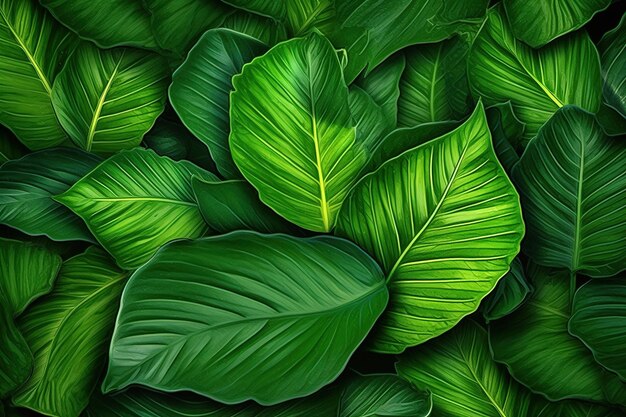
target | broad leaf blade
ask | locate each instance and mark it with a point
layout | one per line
(27, 186)
(34, 49)
(537, 82)
(541, 21)
(201, 310)
(68, 331)
(136, 201)
(27, 271)
(598, 319)
(201, 86)
(292, 133)
(428, 217)
(572, 181)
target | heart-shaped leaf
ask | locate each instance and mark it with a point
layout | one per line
(444, 221)
(201, 313)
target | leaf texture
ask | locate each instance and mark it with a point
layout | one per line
(16, 361)
(510, 293)
(613, 59)
(383, 85)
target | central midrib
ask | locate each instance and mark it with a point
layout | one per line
(576, 256)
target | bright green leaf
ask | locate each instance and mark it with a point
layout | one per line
(572, 182)
(371, 122)
(108, 99)
(292, 133)
(613, 59)
(27, 186)
(201, 312)
(537, 82)
(34, 49)
(445, 223)
(68, 331)
(136, 201)
(510, 293)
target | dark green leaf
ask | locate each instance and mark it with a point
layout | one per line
(510, 293)
(612, 123)
(507, 131)
(383, 85)
(16, 361)
(613, 59)
(267, 30)
(10, 147)
(371, 122)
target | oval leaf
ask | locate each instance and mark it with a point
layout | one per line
(572, 181)
(202, 311)
(108, 99)
(428, 217)
(136, 201)
(292, 133)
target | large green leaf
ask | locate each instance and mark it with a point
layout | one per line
(107, 23)
(10, 147)
(16, 361)
(572, 181)
(613, 59)
(539, 352)
(433, 87)
(465, 382)
(510, 293)
(444, 221)
(108, 99)
(27, 271)
(234, 205)
(598, 319)
(136, 201)
(68, 331)
(538, 22)
(201, 86)
(292, 133)
(27, 186)
(537, 82)
(34, 48)
(214, 317)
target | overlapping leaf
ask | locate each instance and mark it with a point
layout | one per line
(613, 59)
(509, 295)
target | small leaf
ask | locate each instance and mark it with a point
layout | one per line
(204, 312)
(108, 99)
(136, 201)
(27, 186)
(68, 331)
(510, 293)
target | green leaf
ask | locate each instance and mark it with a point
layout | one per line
(27, 271)
(34, 49)
(200, 311)
(10, 147)
(537, 82)
(510, 293)
(136, 201)
(267, 30)
(292, 133)
(598, 319)
(613, 59)
(16, 361)
(234, 205)
(123, 92)
(201, 86)
(541, 21)
(27, 186)
(444, 221)
(383, 85)
(612, 123)
(572, 183)
(507, 131)
(371, 123)
(465, 382)
(403, 139)
(371, 30)
(573, 409)
(539, 352)
(110, 23)
(433, 87)
(68, 331)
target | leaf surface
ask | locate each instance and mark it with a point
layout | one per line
(16, 361)
(613, 59)
(507, 132)
(383, 85)
(510, 293)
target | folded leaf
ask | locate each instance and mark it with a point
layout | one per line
(108, 99)
(572, 181)
(110, 23)
(539, 22)
(598, 319)
(534, 344)
(201, 86)
(27, 271)
(34, 49)
(27, 186)
(445, 223)
(292, 133)
(537, 82)
(200, 312)
(16, 361)
(68, 331)
(370, 119)
(613, 59)
(136, 201)
(510, 293)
